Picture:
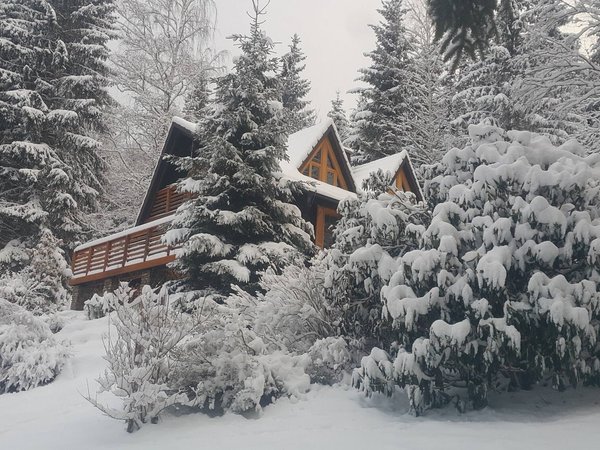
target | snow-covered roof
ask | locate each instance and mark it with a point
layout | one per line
(185, 124)
(299, 146)
(388, 164)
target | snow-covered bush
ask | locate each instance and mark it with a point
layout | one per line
(374, 229)
(147, 330)
(29, 354)
(99, 305)
(328, 360)
(225, 366)
(293, 312)
(38, 276)
(503, 283)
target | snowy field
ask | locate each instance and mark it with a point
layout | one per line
(58, 417)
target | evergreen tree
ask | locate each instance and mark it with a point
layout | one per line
(501, 291)
(197, 101)
(338, 115)
(504, 86)
(384, 122)
(241, 221)
(294, 88)
(51, 96)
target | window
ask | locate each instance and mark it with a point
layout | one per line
(326, 219)
(322, 165)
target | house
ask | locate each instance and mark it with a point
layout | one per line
(316, 158)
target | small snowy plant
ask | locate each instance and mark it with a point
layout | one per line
(30, 356)
(139, 352)
(503, 283)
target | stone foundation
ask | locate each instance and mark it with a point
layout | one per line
(154, 277)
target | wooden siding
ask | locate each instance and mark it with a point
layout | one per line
(166, 201)
(138, 250)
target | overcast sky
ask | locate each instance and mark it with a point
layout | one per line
(334, 33)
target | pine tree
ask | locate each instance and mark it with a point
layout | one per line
(294, 88)
(338, 115)
(384, 122)
(241, 221)
(52, 91)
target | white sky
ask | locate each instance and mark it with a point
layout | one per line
(334, 34)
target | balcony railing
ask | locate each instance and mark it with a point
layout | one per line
(134, 249)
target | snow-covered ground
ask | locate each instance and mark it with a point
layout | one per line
(58, 417)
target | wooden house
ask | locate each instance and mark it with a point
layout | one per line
(316, 158)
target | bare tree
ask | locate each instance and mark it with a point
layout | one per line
(165, 48)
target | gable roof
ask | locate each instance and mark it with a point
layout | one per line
(179, 141)
(301, 144)
(390, 164)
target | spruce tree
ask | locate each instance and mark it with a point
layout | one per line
(197, 101)
(384, 123)
(52, 91)
(240, 221)
(338, 115)
(294, 88)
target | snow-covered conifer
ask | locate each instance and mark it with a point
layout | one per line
(502, 284)
(384, 123)
(52, 90)
(338, 115)
(241, 220)
(295, 88)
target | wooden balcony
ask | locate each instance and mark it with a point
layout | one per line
(166, 202)
(134, 249)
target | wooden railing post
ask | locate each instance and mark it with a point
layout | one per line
(147, 243)
(107, 249)
(125, 249)
(89, 260)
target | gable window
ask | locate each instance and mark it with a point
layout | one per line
(322, 165)
(326, 219)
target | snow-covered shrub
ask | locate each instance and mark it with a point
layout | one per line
(38, 278)
(293, 312)
(503, 283)
(374, 229)
(29, 354)
(99, 305)
(328, 360)
(225, 366)
(139, 354)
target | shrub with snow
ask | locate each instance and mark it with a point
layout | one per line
(30, 355)
(35, 278)
(503, 283)
(293, 312)
(139, 355)
(373, 230)
(329, 359)
(226, 366)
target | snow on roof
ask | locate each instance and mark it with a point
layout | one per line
(124, 233)
(185, 124)
(301, 143)
(388, 164)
